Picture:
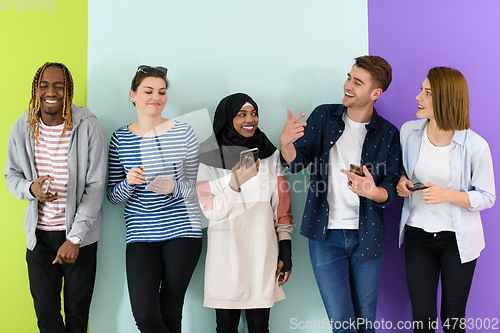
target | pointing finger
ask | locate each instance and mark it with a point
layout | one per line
(297, 117)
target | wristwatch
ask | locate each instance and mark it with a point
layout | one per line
(75, 240)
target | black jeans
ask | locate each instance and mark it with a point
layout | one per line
(427, 256)
(228, 320)
(158, 274)
(46, 280)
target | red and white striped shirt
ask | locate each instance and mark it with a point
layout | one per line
(51, 158)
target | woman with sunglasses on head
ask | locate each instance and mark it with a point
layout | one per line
(448, 180)
(153, 164)
(247, 202)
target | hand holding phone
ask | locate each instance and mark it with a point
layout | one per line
(356, 169)
(247, 168)
(417, 187)
(251, 157)
(162, 184)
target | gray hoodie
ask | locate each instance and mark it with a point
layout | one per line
(87, 162)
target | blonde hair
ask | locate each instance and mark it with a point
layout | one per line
(35, 103)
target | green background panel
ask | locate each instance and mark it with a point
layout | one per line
(28, 39)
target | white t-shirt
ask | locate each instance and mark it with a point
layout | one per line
(344, 204)
(433, 165)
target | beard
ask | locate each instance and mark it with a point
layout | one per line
(51, 112)
(358, 101)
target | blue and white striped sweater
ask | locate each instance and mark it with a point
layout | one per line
(153, 217)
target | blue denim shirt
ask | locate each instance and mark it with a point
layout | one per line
(380, 153)
(471, 172)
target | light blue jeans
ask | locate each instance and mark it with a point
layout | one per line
(348, 286)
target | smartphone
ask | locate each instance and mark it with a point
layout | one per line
(417, 187)
(356, 169)
(48, 186)
(252, 156)
(158, 178)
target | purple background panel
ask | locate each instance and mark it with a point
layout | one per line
(415, 36)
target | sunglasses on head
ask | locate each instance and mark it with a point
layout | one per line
(148, 69)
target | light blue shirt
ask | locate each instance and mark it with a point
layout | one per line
(471, 172)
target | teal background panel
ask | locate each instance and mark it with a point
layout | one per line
(285, 54)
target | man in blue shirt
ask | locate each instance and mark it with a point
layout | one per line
(343, 216)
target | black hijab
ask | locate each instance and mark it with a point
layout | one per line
(222, 149)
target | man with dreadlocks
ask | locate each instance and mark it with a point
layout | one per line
(56, 159)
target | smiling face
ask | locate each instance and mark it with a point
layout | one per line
(52, 95)
(424, 99)
(151, 95)
(358, 89)
(246, 121)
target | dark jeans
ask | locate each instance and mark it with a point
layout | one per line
(46, 280)
(427, 256)
(228, 320)
(158, 274)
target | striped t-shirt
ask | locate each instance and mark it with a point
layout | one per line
(51, 158)
(153, 217)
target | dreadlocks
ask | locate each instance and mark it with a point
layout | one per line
(35, 103)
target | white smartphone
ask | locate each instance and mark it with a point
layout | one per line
(159, 178)
(48, 186)
(251, 154)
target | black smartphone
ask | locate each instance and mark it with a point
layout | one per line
(356, 169)
(417, 187)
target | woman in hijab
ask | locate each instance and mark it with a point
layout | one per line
(247, 202)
